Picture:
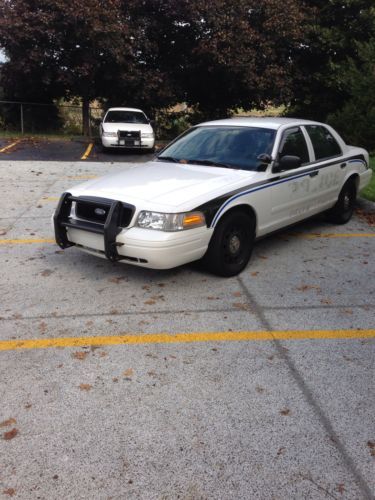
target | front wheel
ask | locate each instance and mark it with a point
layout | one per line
(343, 209)
(231, 245)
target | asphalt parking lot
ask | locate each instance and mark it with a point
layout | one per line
(41, 149)
(118, 382)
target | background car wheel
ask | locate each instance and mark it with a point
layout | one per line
(343, 210)
(104, 149)
(231, 245)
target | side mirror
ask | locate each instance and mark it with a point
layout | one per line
(287, 162)
(264, 158)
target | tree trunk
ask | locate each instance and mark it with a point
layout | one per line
(86, 116)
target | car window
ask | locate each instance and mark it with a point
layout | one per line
(293, 144)
(233, 146)
(324, 144)
(125, 117)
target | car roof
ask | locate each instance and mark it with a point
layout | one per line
(125, 109)
(261, 122)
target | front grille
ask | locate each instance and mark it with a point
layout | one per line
(97, 209)
(95, 212)
(125, 134)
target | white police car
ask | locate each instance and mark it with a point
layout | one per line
(126, 128)
(212, 192)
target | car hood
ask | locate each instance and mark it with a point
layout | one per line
(167, 186)
(114, 127)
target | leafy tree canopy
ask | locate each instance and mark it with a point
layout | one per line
(333, 29)
(151, 52)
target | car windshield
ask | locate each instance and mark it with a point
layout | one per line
(125, 117)
(232, 147)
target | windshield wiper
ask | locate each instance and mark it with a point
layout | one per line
(168, 158)
(212, 164)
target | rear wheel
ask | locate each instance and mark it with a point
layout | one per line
(343, 210)
(231, 245)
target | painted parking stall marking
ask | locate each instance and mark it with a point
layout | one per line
(180, 338)
(86, 154)
(10, 146)
(27, 241)
(308, 236)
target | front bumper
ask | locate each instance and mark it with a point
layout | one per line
(114, 142)
(142, 247)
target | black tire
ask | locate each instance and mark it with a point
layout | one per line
(104, 149)
(342, 211)
(231, 245)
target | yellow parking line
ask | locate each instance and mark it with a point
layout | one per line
(27, 241)
(47, 199)
(9, 146)
(306, 236)
(166, 338)
(88, 151)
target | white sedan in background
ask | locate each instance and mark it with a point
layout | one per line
(126, 128)
(212, 192)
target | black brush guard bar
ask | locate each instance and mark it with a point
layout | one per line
(109, 230)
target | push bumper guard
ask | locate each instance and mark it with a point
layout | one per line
(110, 229)
(130, 139)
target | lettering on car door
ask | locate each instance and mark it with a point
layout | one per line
(331, 173)
(292, 196)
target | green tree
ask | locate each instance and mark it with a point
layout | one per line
(57, 48)
(333, 29)
(356, 119)
(221, 55)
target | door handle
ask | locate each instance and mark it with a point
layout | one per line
(313, 174)
(343, 165)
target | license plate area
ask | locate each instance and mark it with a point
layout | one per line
(129, 139)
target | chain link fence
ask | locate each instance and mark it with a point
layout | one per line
(52, 119)
(36, 118)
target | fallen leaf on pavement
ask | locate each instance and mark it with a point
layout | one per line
(79, 355)
(10, 434)
(116, 280)
(340, 488)
(240, 305)
(8, 422)
(303, 288)
(85, 387)
(10, 492)
(46, 272)
(371, 445)
(285, 411)
(326, 301)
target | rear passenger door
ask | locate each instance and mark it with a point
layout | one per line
(329, 162)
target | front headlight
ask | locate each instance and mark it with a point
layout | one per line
(170, 222)
(147, 134)
(109, 134)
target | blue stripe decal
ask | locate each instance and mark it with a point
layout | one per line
(253, 191)
(358, 160)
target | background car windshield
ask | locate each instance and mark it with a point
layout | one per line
(238, 147)
(125, 117)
